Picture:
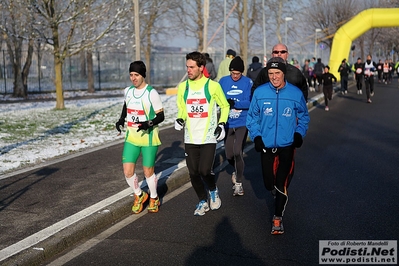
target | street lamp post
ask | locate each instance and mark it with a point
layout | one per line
(315, 42)
(286, 20)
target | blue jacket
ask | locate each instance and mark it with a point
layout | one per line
(276, 115)
(240, 92)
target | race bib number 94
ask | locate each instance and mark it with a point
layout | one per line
(134, 116)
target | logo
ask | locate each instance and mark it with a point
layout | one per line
(274, 65)
(234, 92)
(268, 111)
(287, 112)
(358, 252)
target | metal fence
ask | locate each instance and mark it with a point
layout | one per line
(110, 71)
(110, 68)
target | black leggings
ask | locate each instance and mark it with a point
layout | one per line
(277, 170)
(199, 160)
(233, 146)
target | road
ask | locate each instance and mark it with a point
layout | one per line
(345, 188)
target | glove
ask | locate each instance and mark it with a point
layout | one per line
(259, 145)
(119, 124)
(231, 102)
(144, 125)
(179, 124)
(220, 133)
(297, 140)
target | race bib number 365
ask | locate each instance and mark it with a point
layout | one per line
(197, 108)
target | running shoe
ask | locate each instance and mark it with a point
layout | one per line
(372, 93)
(327, 109)
(238, 190)
(214, 200)
(139, 201)
(369, 101)
(277, 225)
(201, 208)
(153, 206)
(234, 178)
(360, 92)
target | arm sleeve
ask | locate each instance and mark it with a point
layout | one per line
(220, 98)
(244, 103)
(303, 118)
(160, 117)
(181, 105)
(252, 122)
(303, 85)
(124, 112)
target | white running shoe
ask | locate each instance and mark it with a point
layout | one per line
(214, 200)
(201, 208)
(327, 109)
(238, 190)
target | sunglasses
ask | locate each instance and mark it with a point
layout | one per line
(281, 52)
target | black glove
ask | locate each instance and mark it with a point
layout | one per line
(144, 125)
(297, 140)
(259, 145)
(121, 122)
(231, 102)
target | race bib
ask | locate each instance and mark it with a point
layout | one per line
(134, 116)
(197, 108)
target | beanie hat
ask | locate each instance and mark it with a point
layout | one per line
(139, 67)
(255, 59)
(231, 52)
(237, 64)
(276, 63)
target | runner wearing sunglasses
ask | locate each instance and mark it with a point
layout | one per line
(293, 75)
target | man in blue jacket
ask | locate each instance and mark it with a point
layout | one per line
(277, 121)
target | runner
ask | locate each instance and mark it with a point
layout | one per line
(197, 114)
(143, 109)
(237, 89)
(277, 121)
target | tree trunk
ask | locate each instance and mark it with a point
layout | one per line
(15, 58)
(28, 63)
(58, 61)
(90, 72)
(83, 73)
(58, 84)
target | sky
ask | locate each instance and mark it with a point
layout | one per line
(34, 132)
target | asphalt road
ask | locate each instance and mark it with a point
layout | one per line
(344, 188)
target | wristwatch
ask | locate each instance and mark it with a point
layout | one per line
(150, 123)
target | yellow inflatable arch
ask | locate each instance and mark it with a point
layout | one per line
(362, 22)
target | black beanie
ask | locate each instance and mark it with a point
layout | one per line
(139, 67)
(237, 64)
(231, 52)
(276, 63)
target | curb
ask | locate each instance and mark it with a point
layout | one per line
(91, 225)
(98, 222)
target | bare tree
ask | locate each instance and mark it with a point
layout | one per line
(63, 19)
(16, 31)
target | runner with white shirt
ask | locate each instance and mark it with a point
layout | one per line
(143, 112)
